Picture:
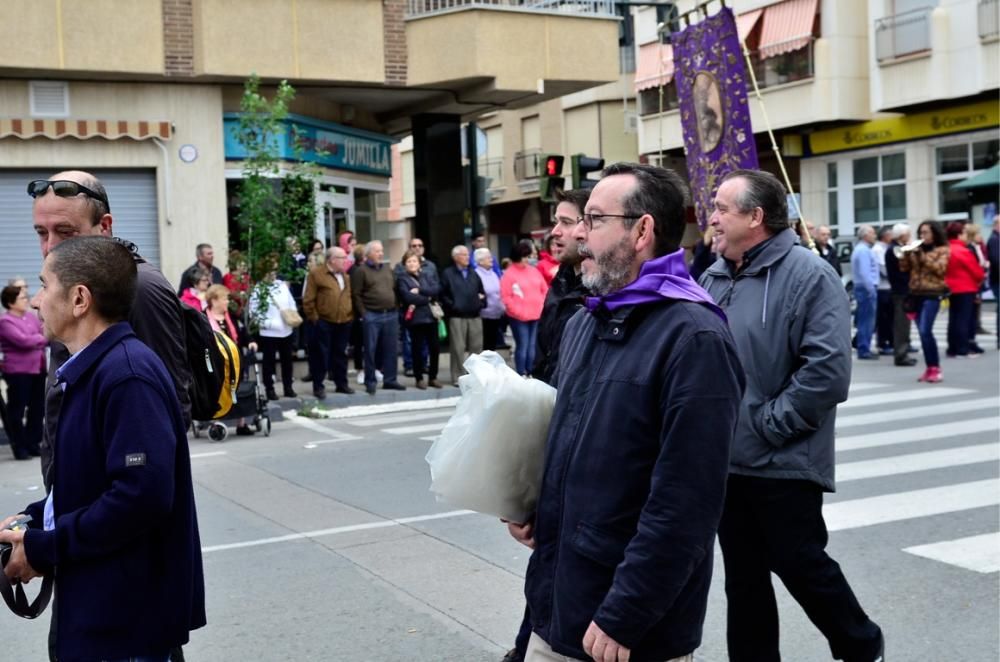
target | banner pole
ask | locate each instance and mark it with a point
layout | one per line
(803, 232)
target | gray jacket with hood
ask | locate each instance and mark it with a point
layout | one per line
(791, 320)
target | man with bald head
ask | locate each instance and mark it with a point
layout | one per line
(326, 300)
(75, 203)
(373, 291)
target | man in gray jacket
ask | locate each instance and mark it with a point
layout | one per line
(791, 321)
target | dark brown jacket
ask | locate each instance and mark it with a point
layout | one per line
(324, 299)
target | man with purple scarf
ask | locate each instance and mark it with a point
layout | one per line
(638, 447)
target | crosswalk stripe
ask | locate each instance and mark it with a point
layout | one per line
(400, 418)
(977, 553)
(866, 386)
(903, 464)
(922, 411)
(856, 513)
(413, 429)
(923, 433)
(902, 396)
(434, 438)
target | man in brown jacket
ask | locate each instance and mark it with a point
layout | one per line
(327, 304)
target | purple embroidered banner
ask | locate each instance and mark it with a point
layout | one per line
(712, 89)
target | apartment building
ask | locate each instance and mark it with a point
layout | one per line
(146, 94)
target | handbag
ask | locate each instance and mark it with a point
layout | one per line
(436, 310)
(442, 330)
(291, 317)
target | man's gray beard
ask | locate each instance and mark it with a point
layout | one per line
(613, 270)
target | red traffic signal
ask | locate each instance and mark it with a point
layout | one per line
(553, 165)
(550, 179)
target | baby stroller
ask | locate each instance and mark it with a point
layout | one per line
(251, 404)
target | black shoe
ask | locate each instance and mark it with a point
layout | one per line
(868, 357)
(393, 386)
(307, 378)
(347, 390)
(906, 363)
(370, 389)
(244, 431)
(290, 393)
(272, 394)
(319, 394)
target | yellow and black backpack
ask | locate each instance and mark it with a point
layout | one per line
(214, 360)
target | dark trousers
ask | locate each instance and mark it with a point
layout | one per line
(771, 525)
(381, 335)
(926, 314)
(491, 338)
(25, 406)
(884, 315)
(283, 348)
(425, 343)
(328, 353)
(357, 344)
(900, 329)
(960, 316)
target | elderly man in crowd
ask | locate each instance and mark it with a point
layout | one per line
(373, 289)
(327, 304)
(463, 297)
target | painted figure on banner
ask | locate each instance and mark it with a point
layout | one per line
(712, 90)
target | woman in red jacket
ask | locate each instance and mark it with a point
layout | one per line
(964, 278)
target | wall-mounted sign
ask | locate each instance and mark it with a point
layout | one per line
(324, 143)
(983, 115)
(188, 153)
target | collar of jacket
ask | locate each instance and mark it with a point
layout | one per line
(92, 353)
(776, 248)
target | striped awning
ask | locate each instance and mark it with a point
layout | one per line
(788, 26)
(655, 67)
(84, 129)
(746, 22)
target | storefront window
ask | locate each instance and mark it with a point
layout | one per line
(879, 189)
(831, 195)
(953, 163)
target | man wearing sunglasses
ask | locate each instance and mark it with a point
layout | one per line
(638, 446)
(75, 203)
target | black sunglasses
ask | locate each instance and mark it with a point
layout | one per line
(64, 188)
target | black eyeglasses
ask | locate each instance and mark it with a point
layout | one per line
(64, 188)
(589, 219)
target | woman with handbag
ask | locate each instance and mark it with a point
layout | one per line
(927, 265)
(217, 310)
(417, 291)
(275, 318)
(23, 346)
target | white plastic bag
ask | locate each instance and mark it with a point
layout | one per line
(489, 456)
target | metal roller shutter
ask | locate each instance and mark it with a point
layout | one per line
(132, 194)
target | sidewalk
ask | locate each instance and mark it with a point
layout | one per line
(360, 397)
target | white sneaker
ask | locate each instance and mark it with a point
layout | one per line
(361, 376)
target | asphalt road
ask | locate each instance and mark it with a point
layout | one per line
(322, 541)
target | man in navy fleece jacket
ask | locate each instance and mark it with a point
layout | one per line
(119, 526)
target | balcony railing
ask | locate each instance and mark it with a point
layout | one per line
(903, 34)
(417, 8)
(989, 19)
(492, 168)
(528, 164)
(784, 68)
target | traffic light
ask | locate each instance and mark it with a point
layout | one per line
(582, 165)
(551, 179)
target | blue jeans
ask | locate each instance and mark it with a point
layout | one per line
(381, 332)
(525, 334)
(865, 318)
(928, 310)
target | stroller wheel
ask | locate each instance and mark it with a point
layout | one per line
(218, 431)
(267, 426)
(257, 424)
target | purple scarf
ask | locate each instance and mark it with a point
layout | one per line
(662, 278)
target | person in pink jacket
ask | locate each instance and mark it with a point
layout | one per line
(23, 345)
(522, 290)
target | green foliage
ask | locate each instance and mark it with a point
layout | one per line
(277, 214)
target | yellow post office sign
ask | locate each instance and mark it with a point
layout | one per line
(970, 117)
